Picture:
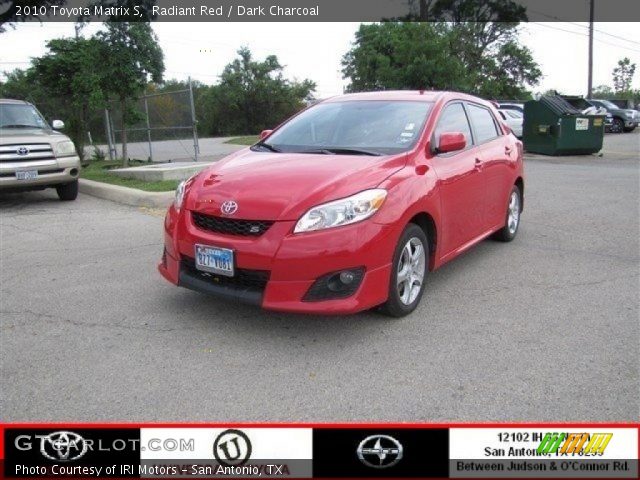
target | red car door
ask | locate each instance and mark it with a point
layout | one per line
(459, 183)
(497, 153)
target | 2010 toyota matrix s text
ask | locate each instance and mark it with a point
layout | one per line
(349, 204)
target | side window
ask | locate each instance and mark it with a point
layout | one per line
(454, 119)
(483, 124)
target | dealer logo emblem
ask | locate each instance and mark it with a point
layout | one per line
(229, 207)
(63, 446)
(380, 451)
(232, 448)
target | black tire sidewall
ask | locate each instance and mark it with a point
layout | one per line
(68, 191)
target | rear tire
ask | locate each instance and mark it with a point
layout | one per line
(68, 191)
(512, 218)
(408, 271)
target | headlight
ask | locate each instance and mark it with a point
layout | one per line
(342, 212)
(64, 149)
(177, 202)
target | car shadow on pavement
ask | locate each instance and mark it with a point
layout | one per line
(21, 200)
(196, 311)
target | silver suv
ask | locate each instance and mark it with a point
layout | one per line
(33, 155)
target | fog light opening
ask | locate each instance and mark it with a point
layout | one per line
(333, 285)
(74, 172)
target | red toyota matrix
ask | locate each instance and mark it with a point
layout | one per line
(348, 205)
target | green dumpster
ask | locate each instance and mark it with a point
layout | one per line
(552, 126)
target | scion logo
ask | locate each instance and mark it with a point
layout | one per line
(380, 451)
(229, 207)
(63, 446)
(232, 448)
(22, 151)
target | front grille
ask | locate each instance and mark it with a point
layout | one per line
(28, 152)
(230, 226)
(243, 279)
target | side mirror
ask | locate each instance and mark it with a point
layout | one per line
(57, 124)
(265, 133)
(451, 142)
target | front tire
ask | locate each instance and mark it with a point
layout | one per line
(617, 125)
(512, 219)
(408, 272)
(68, 191)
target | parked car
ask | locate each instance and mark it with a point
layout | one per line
(514, 120)
(623, 104)
(33, 155)
(348, 205)
(589, 108)
(624, 119)
(511, 106)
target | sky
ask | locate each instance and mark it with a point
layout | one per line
(314, 50)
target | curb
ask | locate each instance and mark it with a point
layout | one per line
(125, 195)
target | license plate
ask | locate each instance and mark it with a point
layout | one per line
(27, 175)
(214, 260)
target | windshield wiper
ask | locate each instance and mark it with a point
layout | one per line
(269, 147)
(19, 125)
(346, 151)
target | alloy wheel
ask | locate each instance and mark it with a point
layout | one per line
(411, 270)
(514, 212)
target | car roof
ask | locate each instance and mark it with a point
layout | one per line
(12, 101)
(406, 95)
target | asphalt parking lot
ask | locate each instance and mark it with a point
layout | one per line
(544, 328)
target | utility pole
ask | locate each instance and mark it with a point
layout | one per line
(591, 15)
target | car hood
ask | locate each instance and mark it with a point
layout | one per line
(29, 135)
(283, 186)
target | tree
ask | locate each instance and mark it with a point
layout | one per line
(397, 55)
(623, 75)
(252, 96)
(130, 57)
(69, 71)
(477, 58)
(603, 91)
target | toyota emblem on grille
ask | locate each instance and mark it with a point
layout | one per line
(22, 151)
(229, 207)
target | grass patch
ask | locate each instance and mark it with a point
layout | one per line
(99, 172)
(246, 140)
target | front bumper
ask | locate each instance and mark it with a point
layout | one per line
(291, 263)
(51, 172)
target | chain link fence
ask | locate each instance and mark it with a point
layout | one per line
(166, 128)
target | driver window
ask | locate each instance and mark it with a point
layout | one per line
(454, 119)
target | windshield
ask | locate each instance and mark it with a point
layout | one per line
(20, 115)
(609, 104)
(355, 127)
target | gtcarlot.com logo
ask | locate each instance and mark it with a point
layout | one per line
(68, 446)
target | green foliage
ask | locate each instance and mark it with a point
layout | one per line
(480, 58)
(251, 96)
(68, 71)
(623, 75)
(99, 172)
(248, 140)
(130, 58)
(404, 56)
